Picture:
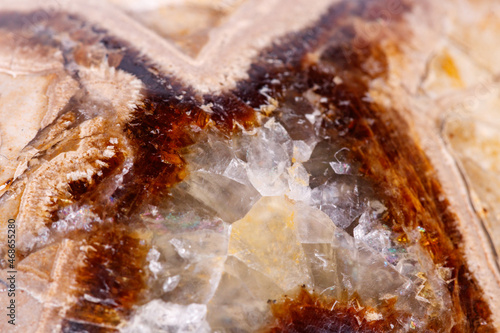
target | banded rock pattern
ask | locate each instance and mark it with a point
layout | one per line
(274, 166)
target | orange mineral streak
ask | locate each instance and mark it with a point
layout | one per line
(105, 287)
(448, 66)
(309, 312)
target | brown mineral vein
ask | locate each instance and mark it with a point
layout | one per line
(110, 280)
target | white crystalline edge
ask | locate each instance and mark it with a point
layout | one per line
(170, 283)
(159, 316)
(154, 265)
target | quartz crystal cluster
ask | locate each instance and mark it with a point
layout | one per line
(246, 227)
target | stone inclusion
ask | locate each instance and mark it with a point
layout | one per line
(246, 227)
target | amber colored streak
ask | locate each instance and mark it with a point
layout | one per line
(310, 312)
(448, 66)
(82, 190)
(70, 326)
(111, 278)
(380, 142)
(413, 201)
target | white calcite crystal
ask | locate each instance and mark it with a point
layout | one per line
(268, 161)
(160, 317)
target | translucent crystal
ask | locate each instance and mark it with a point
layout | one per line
(158, 316)
(240, 302)
(237, 170)
(217, 191)
(341, 201)
(377, 279)
(200, 244)
(372, 234)
(341, 266)
(339, 166)
(301, 151)
(266, 240)
(154, 265)
(296, 115)
(182, 212)
(268, 161)
(298, 182)
(198, 281)
(408, 268)
(273, 130)
(318, 164)
(170, 283)
(313, 226)
(192, 264)
(283, 233)
(322, 258)
(213, 155)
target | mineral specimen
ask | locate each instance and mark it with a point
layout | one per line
(249, 166)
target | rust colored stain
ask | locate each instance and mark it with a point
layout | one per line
(448, 66)
(310, 313)
(111, 278)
